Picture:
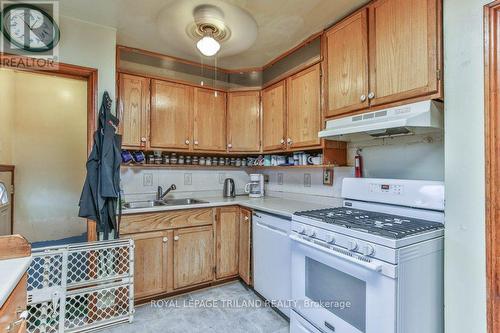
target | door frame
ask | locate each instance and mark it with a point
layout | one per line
(11, 169)
(492, 159)
(87, 74)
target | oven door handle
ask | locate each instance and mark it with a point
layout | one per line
(373, 266)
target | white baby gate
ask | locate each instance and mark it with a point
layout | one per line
(81, 287)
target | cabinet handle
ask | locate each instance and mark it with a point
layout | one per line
(196, 142)
(371, 95)
(289, 141)
(187, 142)
(362, 98)
(165, 239)
(143, 139)
(246, 218)
(229, 145)
(283, 141)
(176, 238)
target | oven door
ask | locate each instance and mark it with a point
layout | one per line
(340, 292)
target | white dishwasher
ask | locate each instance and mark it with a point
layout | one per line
(272, 259)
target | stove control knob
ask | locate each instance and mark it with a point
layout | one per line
(310, 232)
(367, 250)
(352, 245)
(301, 230)
(330, 239)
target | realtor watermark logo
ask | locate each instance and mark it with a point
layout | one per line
(30, 34)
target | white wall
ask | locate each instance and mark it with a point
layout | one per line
(6, 115)
(465, 271)
(48, 127)
(90, 45)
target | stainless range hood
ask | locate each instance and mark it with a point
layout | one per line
(416, 118)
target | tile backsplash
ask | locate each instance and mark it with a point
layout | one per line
(307, 181)
(140, 184)
(143, 183)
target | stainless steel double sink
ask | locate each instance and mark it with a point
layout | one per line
(157, 203)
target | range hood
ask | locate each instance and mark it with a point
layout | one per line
(417, 118)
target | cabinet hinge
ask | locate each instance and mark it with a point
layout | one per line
(12, 189)
(438, 74)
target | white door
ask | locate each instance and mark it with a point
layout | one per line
(5, 203)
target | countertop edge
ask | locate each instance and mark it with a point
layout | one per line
(17, 268)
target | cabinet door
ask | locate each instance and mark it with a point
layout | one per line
(243, 122)
(171, 115)
(304, 112)
(403, 49)
(151, 264)
(227, 241)
(273, 117)
(245, 246)
(133, 110)
(209, 131)
(193, 256)
(347, 45)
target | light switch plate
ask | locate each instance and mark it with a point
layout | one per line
(147, 179)
(188, 178)
(307, 180)
(280, 178)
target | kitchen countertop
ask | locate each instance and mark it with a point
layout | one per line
(274, 205)
(12, 270)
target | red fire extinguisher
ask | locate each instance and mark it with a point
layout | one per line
(358, 164)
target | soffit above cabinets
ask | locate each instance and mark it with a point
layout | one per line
(281, 25)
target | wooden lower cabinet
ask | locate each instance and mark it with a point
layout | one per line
(188, 248)
(245, 246)
(151, 264)
(12, 308)
(227, 241)
(193, 256)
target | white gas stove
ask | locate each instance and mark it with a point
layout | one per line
(382, 252)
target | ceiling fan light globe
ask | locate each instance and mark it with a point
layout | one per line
(208, 46)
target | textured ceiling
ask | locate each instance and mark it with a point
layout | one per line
(281, 24)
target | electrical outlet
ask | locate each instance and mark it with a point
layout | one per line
(280, 178)
(188, 178)
(328, 177)
(147, 179)
(307, 180)
(222, 176)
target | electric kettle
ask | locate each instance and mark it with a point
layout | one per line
(229, 190)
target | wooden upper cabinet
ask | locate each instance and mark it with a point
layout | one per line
(404, 50)
(273, 117)
(227, 242)
(209, 130)
(347, 58)
(171, 115)
(243, 121)
(133, 110)
(193, 256)
(304, 111)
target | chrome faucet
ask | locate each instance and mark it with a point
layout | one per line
(160, 194)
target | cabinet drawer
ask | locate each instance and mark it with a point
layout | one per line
(165, 220)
